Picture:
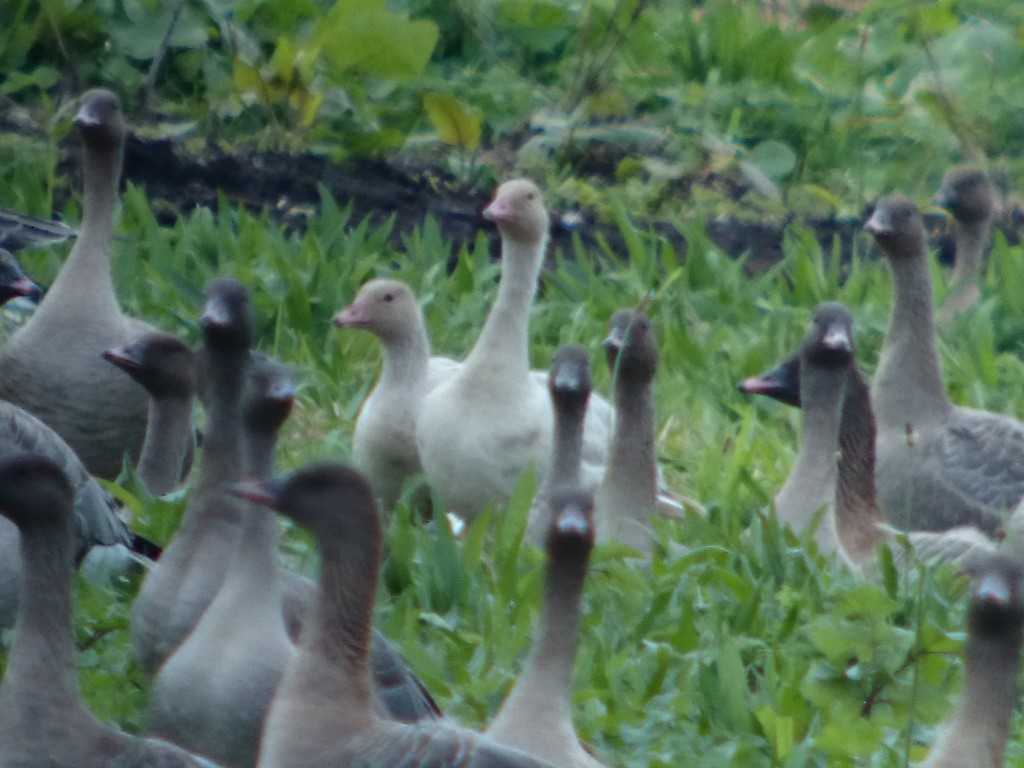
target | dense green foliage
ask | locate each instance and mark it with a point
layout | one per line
(740, 645)
(808, 107)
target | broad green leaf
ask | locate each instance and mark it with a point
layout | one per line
(773, 158)
(364, 36)
(456, 122)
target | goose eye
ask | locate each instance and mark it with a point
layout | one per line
(388, 297)
(530, 195)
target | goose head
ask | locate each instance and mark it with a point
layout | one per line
(99, 119)
(966, 193)
(630, 345)
(572, 525)
(386, 308)
(333, 502)
(996, 597)
(163, 364)
(271, 393)
(829, 340)
(518, 211)
(569, 378)
(34, 491)
(897, 226)
(227, 319)
(781, 383)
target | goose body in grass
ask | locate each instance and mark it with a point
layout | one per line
(570, 389)
(384, 444)
(977, 733)
(43, 721)
(165, 366)
(180, 587)
(479, 430)
(58, 350)
(384, 441)
(95, 518)
(628, 495)
(536, 716)
(807, 497)
(939, 465)
(322, 716)
(966, 192)
(824, 377)
(212, 695)
(189, 575)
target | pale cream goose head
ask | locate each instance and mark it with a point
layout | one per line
(384, 307)
(518, 211)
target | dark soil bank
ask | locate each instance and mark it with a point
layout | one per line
(288, 186)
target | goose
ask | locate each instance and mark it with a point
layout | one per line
(384, 443)
(976, 735)
(188, 576)
(165, 366)
(322, 715)
(479, 430)
(211, 696)
(60, 345)
(811, 483)
(536, 716)
(185, 580)
(96, 520)
(628, 495)
(570, 389)
(43, 721)
(966, 192)
(939, 465)
(824, 377)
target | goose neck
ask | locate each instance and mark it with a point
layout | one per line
(86, 274)
(971, 241)
(549, 666)
(814, 469)
(568, 446)
(857, 511)
(908, 386)
(632, 460)
(990, 683)
(101, 174)
(503, 345)
(166, 445)
(406, 359)
(41, 657)
(337, 639)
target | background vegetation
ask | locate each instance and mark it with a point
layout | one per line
(740, 645)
